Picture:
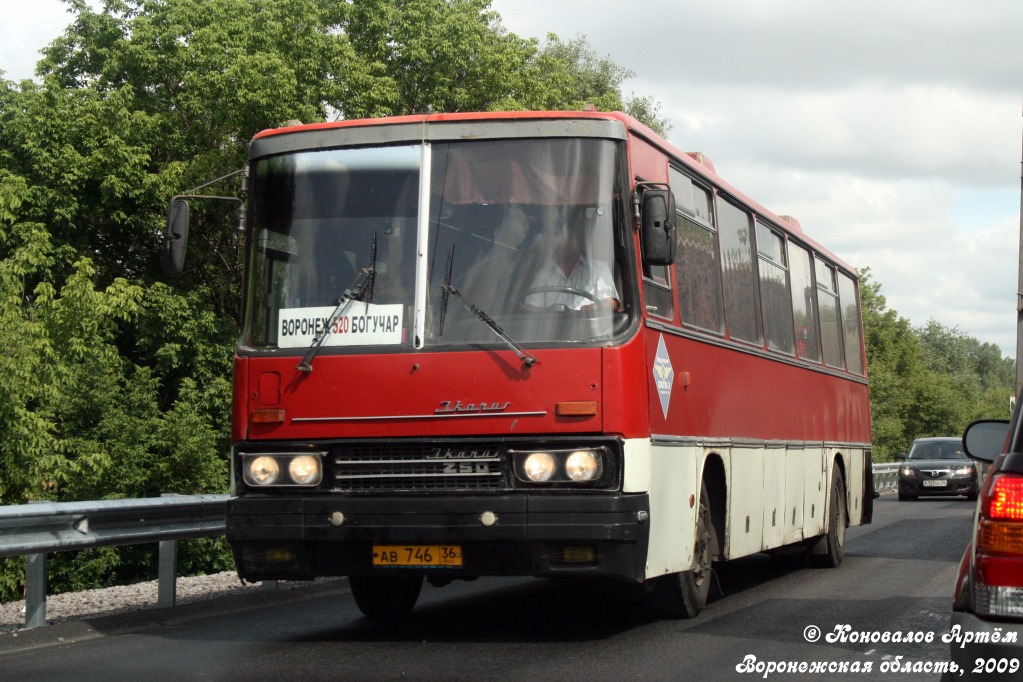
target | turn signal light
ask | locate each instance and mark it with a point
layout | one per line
(267, 416)
(1001, 538)
(583, 408)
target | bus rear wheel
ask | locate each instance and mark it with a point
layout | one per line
(683, 595)
(385, 597)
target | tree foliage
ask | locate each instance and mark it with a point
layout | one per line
(930, 381)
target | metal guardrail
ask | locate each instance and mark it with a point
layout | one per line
(35, 530)
(886, 476)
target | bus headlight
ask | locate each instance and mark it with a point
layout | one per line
(583, 465)
(282, 469)
(305, 470)
(568, 466)
(539, 467)
(262, 470)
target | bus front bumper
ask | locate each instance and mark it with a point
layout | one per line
(279, 538)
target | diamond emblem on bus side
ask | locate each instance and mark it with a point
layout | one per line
(664, 375)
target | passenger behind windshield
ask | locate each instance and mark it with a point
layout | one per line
(570, 279)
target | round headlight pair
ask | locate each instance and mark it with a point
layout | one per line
(579, 466)
(266, 470)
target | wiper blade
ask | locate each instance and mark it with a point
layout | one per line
(360, 290)
(527, 359)
(446, 287)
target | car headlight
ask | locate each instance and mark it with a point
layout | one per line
(283, 469)
(907, 472)
(963, 471)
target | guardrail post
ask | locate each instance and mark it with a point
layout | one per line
(35, 590)
(168, 582)
(167, 586)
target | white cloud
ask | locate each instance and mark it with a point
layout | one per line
(25, 30)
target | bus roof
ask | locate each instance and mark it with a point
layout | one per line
(695, 162)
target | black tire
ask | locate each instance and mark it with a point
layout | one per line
(683, 595)
(829, 551)
(386, 597)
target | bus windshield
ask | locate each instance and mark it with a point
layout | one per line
(519, 230)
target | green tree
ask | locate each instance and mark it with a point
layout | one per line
(455, 55)
(981, 376)
(893, 359)
(577, 77)
(930, 381)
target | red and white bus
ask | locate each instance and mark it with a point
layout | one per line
(428, 386)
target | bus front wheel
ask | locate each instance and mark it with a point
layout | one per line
(683, 595)
(829, 550)
(385, 597)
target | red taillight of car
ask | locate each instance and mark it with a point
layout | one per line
(1006, 499)
(998, 587)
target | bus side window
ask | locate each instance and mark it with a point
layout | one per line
(697, 268)
(742, 309)
(657, 291)
(827, 306)
(850, 323)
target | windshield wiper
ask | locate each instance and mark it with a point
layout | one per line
(360, 290)
(445, 288)
(527, 359)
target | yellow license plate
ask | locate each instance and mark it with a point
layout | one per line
(417, 555)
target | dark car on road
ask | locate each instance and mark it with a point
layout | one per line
(937, 466)
(986, 632)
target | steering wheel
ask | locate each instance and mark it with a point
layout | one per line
(560, 290)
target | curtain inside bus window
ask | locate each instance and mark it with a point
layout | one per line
(742, 317)
(501, 212)
(804, 303)
(696, 268)
(775, 300)
(827, 306)
(850, 324)
(699, 283)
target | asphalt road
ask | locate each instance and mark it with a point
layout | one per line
(897, 577)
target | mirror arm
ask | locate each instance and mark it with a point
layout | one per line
(176, 234)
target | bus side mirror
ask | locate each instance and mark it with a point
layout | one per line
(658, 227)
(175, 238)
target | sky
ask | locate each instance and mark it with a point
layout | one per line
(892, 129)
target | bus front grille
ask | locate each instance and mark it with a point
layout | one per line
(420, 467)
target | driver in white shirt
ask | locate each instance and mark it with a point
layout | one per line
(570, 268)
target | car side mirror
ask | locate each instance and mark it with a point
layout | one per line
(175, 238)
(902, 456)
(984, 440)
(658, 226)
